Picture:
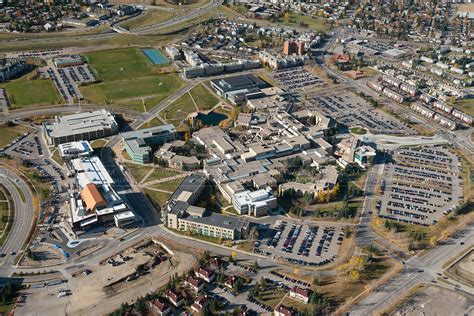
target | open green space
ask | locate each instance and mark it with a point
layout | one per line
(149, 17)
(171, 185)
(179, 110)
(157, 198)
(56, 157)
(358, 131)
(120, 64)
(138, 171)
(154, 122)
(8, 134)
(465, 105)
(161, 173)
(4, 209)
(121, 92)
(23, 93)
(204, 99)
(298, 20)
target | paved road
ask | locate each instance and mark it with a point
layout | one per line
(418, 271)
(151, 29)
(23, 219)
(174, 21)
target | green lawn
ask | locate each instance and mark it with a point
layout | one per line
(358, 131)
(158, 198)
(9, 134)
(204, 99)
(159, 86)
(465, 105)
(149, 17)
(154, 122)
(161, 173)
(120, 64)
(294, 19)
(24, 93)
(137, 171)
(171, 185)
(179, 110)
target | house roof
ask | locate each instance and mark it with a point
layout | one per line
(303, 292)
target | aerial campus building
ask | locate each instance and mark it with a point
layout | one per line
(96, 203)
(72, 150)
(138, 144)
(12, 68)
(81, 126)
(183, 216)
(237, 89)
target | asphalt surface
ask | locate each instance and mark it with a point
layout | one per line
(22, 223)
(418, 270)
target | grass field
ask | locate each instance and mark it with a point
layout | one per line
(10, 133)
(358, 130)
(171, 185)
(120, 64)
(154, 122)
(40, 92)
(138, 171)
(161, 173)
(129, 80)
(294, 20)
(465, 105)
(158, 198)
(159, 86)
(204, 99)
(179, 110)
(149, 17)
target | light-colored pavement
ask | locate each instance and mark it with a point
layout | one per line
(23, 219)
(418, 270)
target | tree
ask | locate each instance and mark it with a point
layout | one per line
(347, 232)
(315, 280)
(238, 285)
(354, 275)
(433, 241)
(220, 277)
(255, 265)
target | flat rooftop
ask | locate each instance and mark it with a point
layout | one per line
(91, 169)
(85, 122)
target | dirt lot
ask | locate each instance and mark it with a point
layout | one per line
(44, 254)
(436, 301)
(94, 287)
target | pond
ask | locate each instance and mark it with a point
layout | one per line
(212, 118)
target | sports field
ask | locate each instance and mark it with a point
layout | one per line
(160, 85)
(23, 93)
(129, 79)
(120, 64)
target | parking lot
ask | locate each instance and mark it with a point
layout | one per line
(67, 80)
(308, 245)
(421, 185)
(30, 149)
(351, 110)
(298, 78)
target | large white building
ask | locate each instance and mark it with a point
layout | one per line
(96, 201)
(73, 150)
(256, 203)
(81, 126)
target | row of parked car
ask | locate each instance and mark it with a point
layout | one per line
(284, 277)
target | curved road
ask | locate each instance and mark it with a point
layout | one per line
(147, 30)
(22, 220)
